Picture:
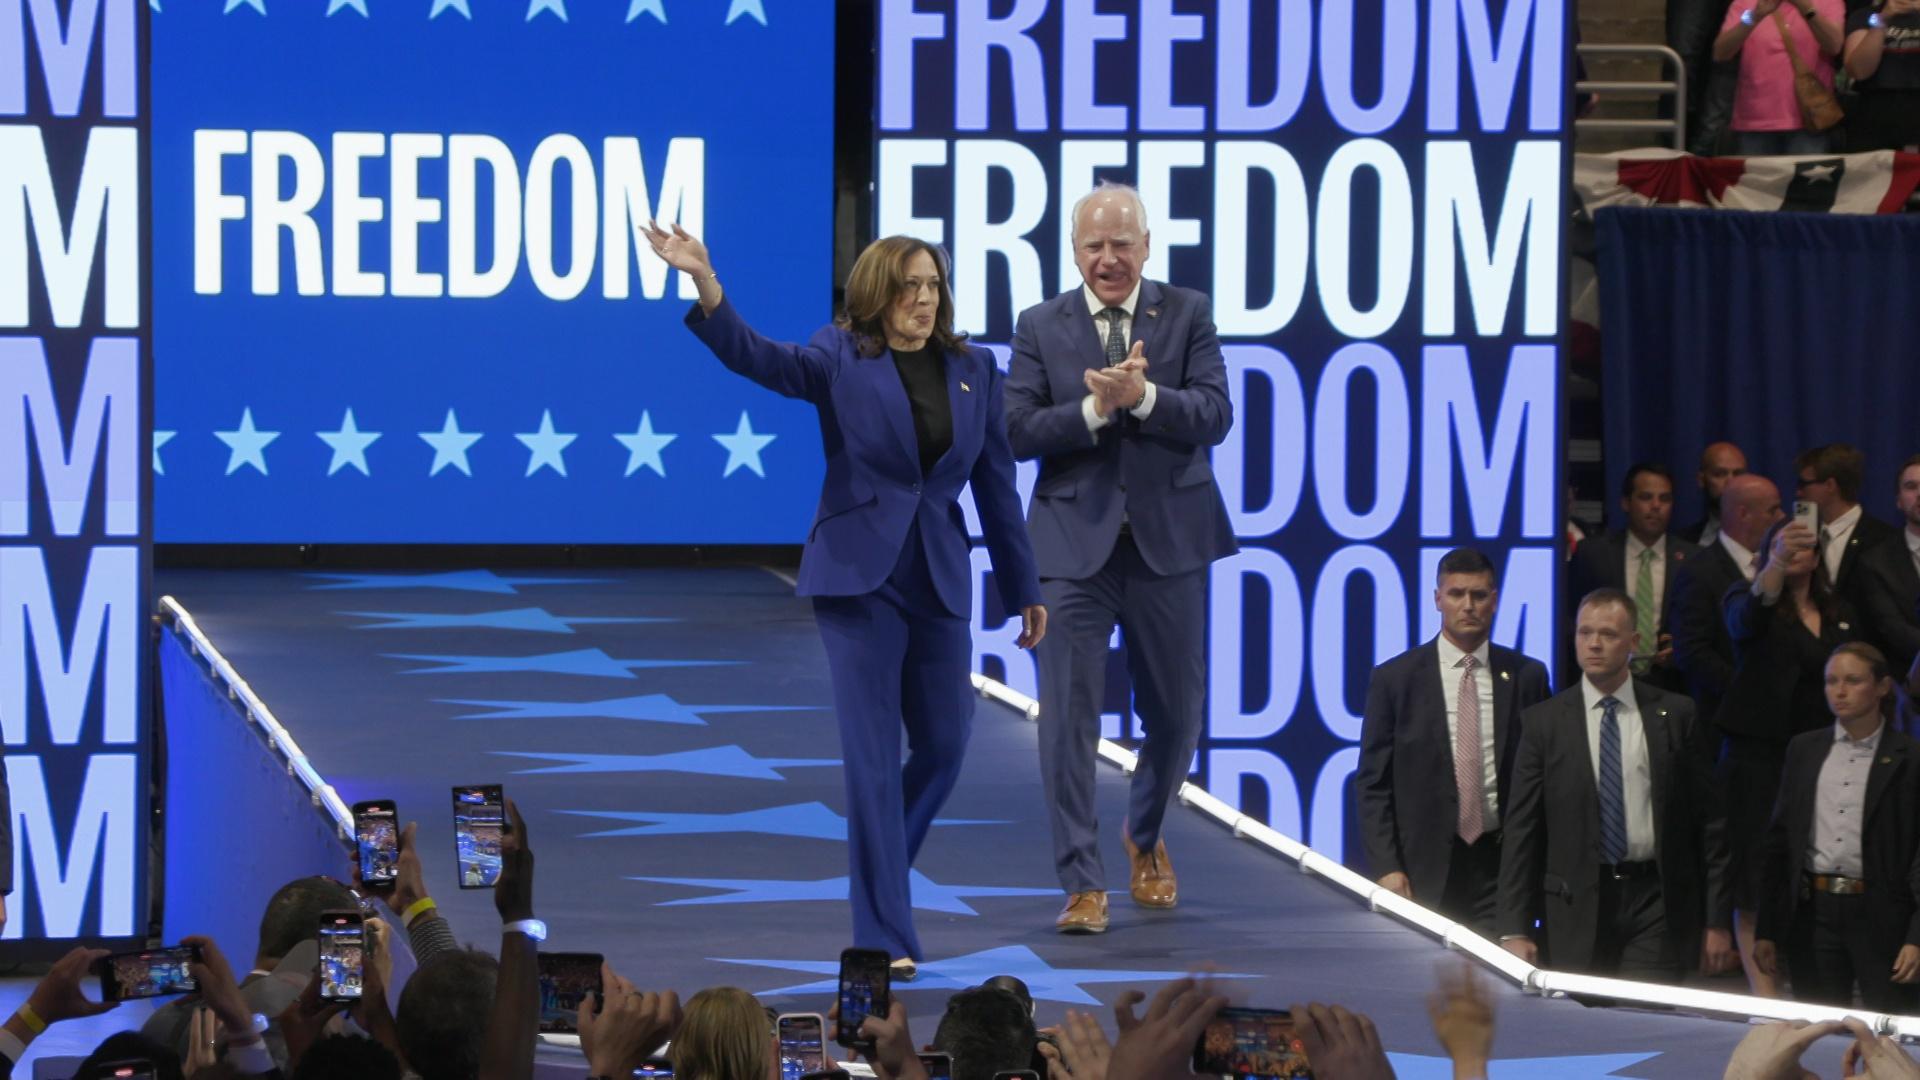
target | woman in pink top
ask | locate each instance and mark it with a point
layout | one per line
(1766, 114)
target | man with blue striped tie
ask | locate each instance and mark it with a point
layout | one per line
(1615, 836)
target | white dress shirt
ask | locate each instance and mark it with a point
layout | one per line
(1710, 530)
(1096, 305)
(1659, 549)
(1913, 548)
(1636, 770)
(1840, 804)
(1742, 558)
(1834, 535)
(1450, 670)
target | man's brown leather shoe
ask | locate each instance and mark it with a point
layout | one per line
(1085, 913)
(1154, 885)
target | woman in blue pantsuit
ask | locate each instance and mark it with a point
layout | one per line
(909, 415)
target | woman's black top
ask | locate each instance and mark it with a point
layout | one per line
(923, 372)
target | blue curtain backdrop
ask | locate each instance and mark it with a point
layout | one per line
(1777, 331)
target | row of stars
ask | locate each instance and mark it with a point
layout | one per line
(247, 446)
(753, 9)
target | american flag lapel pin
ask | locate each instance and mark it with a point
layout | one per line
(1153, 313)
(1506, 676)
(966, 388)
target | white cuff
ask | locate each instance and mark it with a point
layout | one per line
(1094, 420)
(250, 1058)
(11, 1046)
(1141, 410)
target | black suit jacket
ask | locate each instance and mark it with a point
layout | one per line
(1889, 839)
(1601, 562)
(1702, 648)
(1778, 687)
(1409, 802)
(1550, 857)
(1868, 534)
(1692, 533)
(1887, 592)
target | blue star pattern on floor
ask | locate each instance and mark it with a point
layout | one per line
(928, 895)
(730, 761)
(532, 619)
(654, 708)
(1044, 981)
(589, 662)
(479, 581)
(812, 820)
(1572, 1067)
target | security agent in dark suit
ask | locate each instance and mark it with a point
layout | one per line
(1719, 463)
(1614, 833)
(1696, 620)
(1437, 746)
(1887, 591)
(1842, 880)
(1643, 560)
(1120, 389)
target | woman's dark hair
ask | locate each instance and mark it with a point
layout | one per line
(1820, 591)
(876, 282)
(442, 1019)
(1877, 666)
(347, 1057)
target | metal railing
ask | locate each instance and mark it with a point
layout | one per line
(1676, 127)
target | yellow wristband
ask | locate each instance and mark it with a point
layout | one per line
(31, 1019)
(415, 910)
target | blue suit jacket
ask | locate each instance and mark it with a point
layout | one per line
(1155, 471)
(873, 489)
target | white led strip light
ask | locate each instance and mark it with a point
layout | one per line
(1536, 980)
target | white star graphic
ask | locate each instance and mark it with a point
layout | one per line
(644, 446)
(1819, 173)
(246, 443)
(357, 5)
(546, 445)
(349, 446)
(160, 439)
(746, 7)
(257, 5)
(743, 448)
(637, 8)
(154, 4)
(450, 446)
(558, 7)
(457, 5)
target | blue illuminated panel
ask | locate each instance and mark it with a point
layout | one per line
(400, 292)
(1371, 195)
(75, 520)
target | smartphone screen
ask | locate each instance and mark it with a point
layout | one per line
(377, 833)
(1251, 1042)
(654, 1069)
(939, 1066)
(152, 973)
(127, 1069)
(802, 1044)
(863, 992)
(477, 817)
(566, 978)
(343, 955)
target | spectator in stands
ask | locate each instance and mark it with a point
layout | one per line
(986, 1030)
(1615, 837)
(1702, 648)
(1829, 477)
(1719, 463)
(1883, 56)
(1784, 626)
(1768, 36)
(1844, 847)
(1641, 560)
(1692, 26)
(1888, 590)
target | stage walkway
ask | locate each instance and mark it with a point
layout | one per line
(668, 735)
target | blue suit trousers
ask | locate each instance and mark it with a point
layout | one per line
(899, 661)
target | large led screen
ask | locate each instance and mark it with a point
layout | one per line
(398, 291)
(1371, 193)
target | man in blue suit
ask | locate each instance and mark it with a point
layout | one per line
(1119, 388)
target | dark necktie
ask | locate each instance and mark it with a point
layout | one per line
(1613, 793)
(1116, 341)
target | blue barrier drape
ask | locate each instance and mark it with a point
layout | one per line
(1776, 331)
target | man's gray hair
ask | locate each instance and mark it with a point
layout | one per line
(1108, 187)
